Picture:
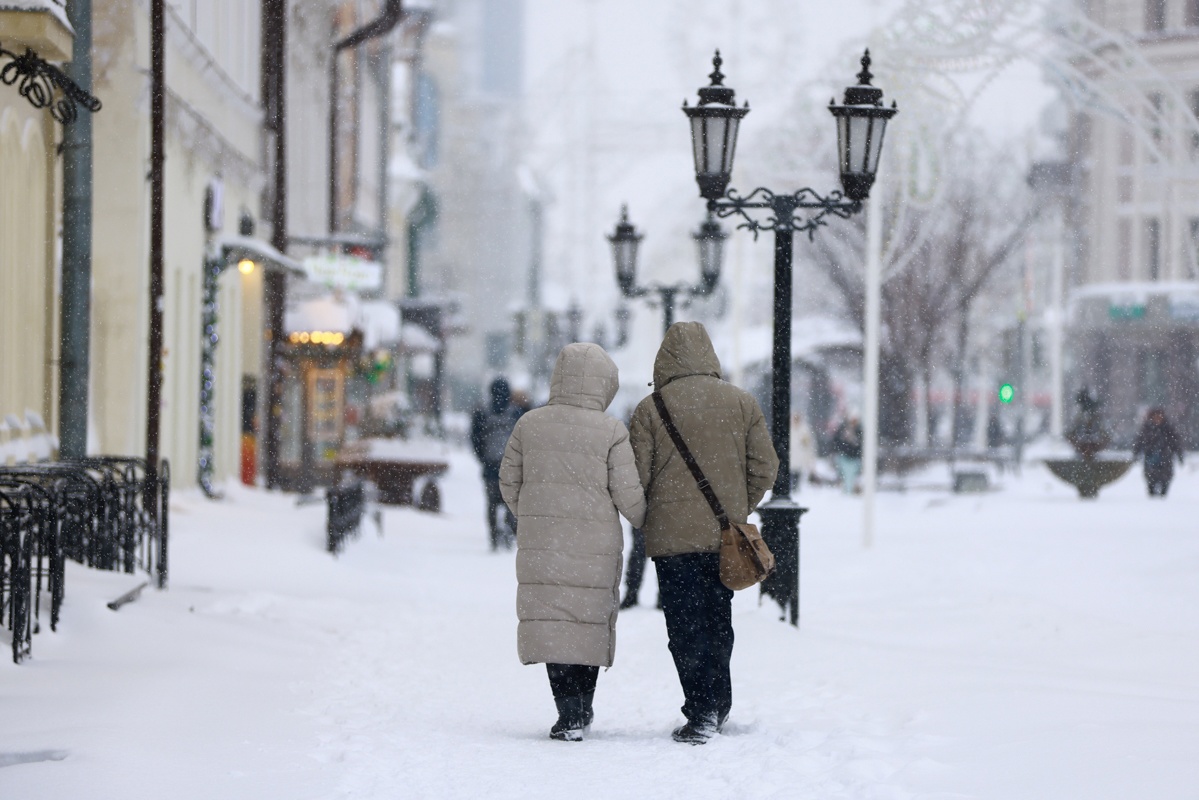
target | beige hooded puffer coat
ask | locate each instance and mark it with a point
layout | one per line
(723, 428)
(567, 471)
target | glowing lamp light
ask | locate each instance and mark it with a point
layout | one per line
(245, 266)
(1007, 393)
(317, 337)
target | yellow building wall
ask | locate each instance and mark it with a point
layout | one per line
(120, 318)
(28, 229)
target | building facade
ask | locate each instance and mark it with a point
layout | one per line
(1134, 330)
(213, 178)
(30, 218)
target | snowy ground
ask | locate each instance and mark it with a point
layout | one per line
(1015, 645)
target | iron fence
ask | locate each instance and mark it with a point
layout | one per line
(101, 512)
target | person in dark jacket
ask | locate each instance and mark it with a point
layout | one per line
(847, 444)
(1159, 444)
(725, 431)
(490, 427)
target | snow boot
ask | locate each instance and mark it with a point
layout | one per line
(574, 715)
(588, 711)
(629, 601)
(696, 731)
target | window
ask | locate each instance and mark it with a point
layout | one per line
(1127, 146)
(1156, 104)
(1191, 17)
(1190, 253)
(1124, 249)
(1153, 247)
(1193, 105)
(1155, 15)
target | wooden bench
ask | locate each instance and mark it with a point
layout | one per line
(396, 477)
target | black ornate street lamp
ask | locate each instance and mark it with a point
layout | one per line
(625, 241)
(861, 122)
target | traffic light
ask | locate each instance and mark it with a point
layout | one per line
(1006, 393)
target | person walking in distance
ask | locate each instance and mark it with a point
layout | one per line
(1158, 442)
(726, 432)
(568, 475)
(847, 444)
(490, 427)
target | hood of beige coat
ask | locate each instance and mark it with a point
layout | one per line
(585, 376)
(686, 350)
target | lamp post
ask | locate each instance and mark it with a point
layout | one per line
(710, 241)
(861, 123)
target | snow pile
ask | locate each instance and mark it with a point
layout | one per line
(1017, 644)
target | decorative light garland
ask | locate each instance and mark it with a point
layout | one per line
(209, 338)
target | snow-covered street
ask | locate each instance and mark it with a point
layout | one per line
(1018, 644)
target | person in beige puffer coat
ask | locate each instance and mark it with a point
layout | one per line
(567, 474)
(725, 430)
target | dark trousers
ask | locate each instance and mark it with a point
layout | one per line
(636, 570)
(495, 502)
(1158, 481)
(699, 625)
(571, 680)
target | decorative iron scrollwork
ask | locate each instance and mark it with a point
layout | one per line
(46, 86)
(783, 209)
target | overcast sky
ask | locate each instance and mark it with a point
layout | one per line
(605, 80)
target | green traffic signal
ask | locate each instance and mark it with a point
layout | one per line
(1006, 393)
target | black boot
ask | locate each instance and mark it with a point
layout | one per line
(696, 731)
(629, 601)
(573, 718)
(588, 711)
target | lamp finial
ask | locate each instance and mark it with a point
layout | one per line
(716, 75)
(864, 76)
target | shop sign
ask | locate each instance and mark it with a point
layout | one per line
(1126, 311)
(344, 272)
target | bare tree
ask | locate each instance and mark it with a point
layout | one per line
(939, 263)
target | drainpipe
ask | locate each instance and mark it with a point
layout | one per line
(76, 308)
(390, 16)
(274, 93)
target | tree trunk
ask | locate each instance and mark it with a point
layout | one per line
(959, 375)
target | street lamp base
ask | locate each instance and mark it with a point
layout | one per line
(780, 530)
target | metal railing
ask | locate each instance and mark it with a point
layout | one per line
(100, 512)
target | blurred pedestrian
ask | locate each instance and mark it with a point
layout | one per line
(847, 444)
(490, 427)
(995, 435)
(1158, 442)
(568, 474)
(724, 429)
(803, 450)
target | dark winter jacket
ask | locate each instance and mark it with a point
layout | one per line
(722, 426)
(847, 441)
(1160, 445)
(490, 427)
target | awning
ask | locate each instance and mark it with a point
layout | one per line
(236, 248)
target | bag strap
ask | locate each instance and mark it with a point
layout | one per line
(704, 487)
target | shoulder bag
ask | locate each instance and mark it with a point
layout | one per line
(745, 559)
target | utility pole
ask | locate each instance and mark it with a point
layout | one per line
(274, 94)
(154, 354)
(76, 308)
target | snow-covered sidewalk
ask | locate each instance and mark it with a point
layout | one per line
(1015, 645)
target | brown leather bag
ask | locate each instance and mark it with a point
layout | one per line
(745, 560)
